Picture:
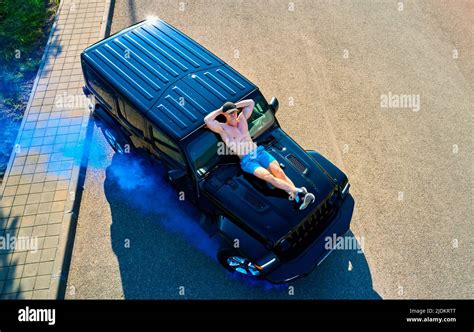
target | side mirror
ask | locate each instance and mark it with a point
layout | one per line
(274, 104)
(86, 91)
(176, 174)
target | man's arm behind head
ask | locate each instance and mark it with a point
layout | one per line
(247, 106)
(211, 120)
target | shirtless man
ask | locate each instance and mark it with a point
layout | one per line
(253, 159)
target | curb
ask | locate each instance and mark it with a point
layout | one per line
(68, 229)
(105, 19)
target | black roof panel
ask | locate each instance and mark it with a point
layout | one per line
(166, 74)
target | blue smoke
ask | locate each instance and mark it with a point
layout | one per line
(9, 130)
(146, 188)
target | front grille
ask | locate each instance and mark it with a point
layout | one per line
(300, 237)
(296, 163)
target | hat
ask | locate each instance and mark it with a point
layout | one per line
(228, 106)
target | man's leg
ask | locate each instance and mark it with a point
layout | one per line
(265, 175)
(303, 199)
(278, 172)
(268, 162)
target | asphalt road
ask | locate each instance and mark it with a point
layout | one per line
(329, 63)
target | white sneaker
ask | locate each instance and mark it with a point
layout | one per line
(307, 200)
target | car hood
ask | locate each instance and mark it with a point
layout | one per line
(251, 203)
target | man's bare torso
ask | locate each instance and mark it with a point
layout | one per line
(237, 139)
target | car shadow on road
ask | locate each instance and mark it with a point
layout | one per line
(345, 274)
(164, 254)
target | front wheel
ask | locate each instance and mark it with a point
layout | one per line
(233, 261)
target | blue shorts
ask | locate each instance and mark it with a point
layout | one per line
(257, 158)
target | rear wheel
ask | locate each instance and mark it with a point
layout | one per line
(235, 262)
(120, 144)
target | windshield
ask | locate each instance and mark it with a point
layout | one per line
(204, 147)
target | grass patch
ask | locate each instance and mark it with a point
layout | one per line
(24, 30)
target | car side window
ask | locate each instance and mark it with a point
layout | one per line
(132, 116)
(102, 89)
(163, 143)
(261, 117)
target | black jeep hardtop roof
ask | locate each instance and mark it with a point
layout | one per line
(168, 76)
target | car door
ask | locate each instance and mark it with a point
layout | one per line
(133, 123)
(168, 151)
(165, 149)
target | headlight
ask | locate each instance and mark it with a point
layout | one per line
(266, 262)
(345, 190)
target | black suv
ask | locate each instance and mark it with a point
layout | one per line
(152, 86)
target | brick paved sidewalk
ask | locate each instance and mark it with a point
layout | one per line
(41, 181)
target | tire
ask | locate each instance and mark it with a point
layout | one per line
(232, 260)
(117, 141)
(102, 118)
